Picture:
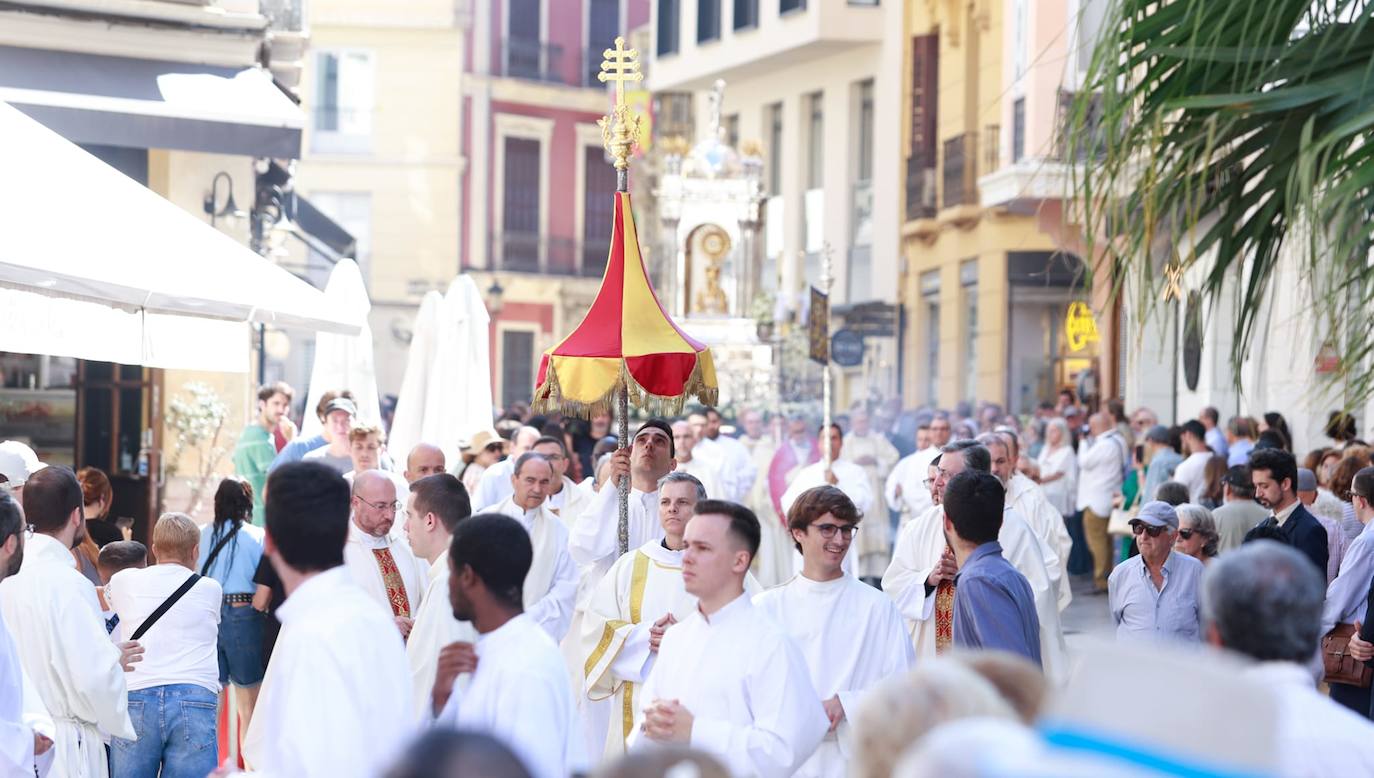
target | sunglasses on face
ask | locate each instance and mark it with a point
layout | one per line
(1141, 528)
(1187, 534)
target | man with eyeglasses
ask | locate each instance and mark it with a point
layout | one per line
(564, 499)
(1156, 594)
(904, 490)
(382, 564)
(850, 634)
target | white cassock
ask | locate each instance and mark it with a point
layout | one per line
(550, 591)
(519, 694)
(853, 481)
(852, 638)
(366, 558)
(494, 485)
(747, 687)
(52, 611)
(738, 469)
(21, 715)
(640, 588)
(336, 700)
(594, 536)
(1030, 501)
(709, 473)
(873, 546)
(435, 627)
(569, 503)
(910, 474)
(774, 563)
(918, 550)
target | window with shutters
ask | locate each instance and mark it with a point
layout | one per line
(669, 22)
(517, 366)
(920, 163)
(598, 211)
(520, 238)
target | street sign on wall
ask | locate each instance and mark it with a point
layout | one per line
(847, 348)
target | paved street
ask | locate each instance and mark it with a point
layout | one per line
(1087, 616)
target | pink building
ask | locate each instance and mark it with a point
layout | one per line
(536, 194)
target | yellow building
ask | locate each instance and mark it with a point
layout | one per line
(986, 287)
(382, 93)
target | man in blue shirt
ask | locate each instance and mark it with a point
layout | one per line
(1157, 592)
(994, 606)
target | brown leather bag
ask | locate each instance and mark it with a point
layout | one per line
(1337, 663)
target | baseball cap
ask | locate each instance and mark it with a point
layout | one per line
(341, 404)
(27, 454)
(13, 468)
(1158, 514)
(1307, 480)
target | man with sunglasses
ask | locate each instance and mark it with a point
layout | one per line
(851, 635)
(382, 564)
(1156, 594)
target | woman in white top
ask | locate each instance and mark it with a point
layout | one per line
(1058, 467)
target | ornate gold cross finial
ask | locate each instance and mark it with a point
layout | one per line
(1173, 281)
(618, 130)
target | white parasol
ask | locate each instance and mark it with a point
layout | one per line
(345, 361)
(408, 424)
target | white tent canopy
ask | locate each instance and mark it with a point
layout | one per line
(79, 230)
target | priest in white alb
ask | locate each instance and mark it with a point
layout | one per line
(876, 456)
(24, 742)
(851, 635)
(906, 489)
(629, 611)
(519, 691)
(738, 468)
(595, 533)
(336, 700)
(920, 578)
(1029, 500)
(707, 471)
(564, 499)
(551, 586)
(380, 563)
(850, 478)
(774, 564)
(53, 615)
(727, 680)
(437, 503)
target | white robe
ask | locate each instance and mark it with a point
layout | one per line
(853, 481)
(435, 627)
(21, 715)
(709, 473)
(918, 550)
(569, 503)
(747, 687)
(640, 589)
(494, 486)
(367, 574)
(594, 538)
(737, 467)
(773, 564)
(874, 545)
(852, 638)
(54, 616)
(910, 474)
(550, 591)
(519, 694)
(1047, 522)
(336, 700)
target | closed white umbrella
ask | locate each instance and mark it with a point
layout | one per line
(458, 402)
(345, 361)
(408, 424)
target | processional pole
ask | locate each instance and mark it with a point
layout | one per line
(618, 132)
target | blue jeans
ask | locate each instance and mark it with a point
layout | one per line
(240, 645)
(175, 725)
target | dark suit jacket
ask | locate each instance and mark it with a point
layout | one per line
(1307, 535)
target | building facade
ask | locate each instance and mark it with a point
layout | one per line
(382, 90)
(996, 309)
(812, 90)
(537, 195)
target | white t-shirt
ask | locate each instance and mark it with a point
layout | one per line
(181, 647)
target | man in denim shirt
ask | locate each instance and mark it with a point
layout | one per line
(1156, 593)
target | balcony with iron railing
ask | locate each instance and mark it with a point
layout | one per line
(533, 60)
(920, 185)
(958, 172)
(523, 252)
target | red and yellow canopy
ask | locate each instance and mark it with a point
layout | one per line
(626, 338)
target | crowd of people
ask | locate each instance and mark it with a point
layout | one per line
(880, 596)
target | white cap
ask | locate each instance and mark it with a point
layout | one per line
(25, 453)
(13, 468)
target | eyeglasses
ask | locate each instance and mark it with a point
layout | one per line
(828, 530)
(927, 482)
(381, 506)
(1186, 534)
(1140, 527)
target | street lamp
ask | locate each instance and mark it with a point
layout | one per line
(230, 208)
(495, 297)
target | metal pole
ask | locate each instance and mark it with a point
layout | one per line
(622, 413)
(826, 280)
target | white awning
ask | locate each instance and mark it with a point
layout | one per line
(77, 228)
